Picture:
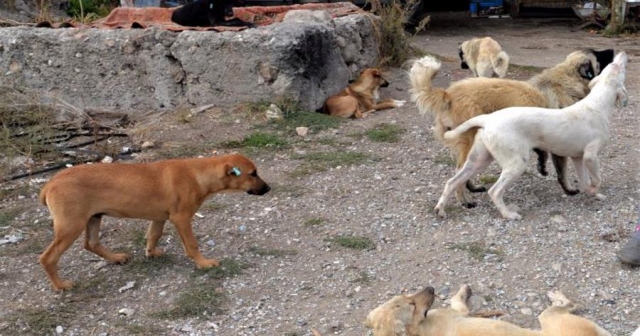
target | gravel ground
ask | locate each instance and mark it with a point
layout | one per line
(297, 278)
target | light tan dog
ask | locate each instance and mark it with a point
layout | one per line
(409, 315)
(172, 190)
(557, 87)
(484, 57)
(360, 97)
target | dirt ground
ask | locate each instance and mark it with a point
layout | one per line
(285, 272)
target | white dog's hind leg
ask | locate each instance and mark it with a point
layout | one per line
(510, 172)
(478, 159)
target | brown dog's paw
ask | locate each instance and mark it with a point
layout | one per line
(155, 253)
(120, 258)
(207, 263)
(63, 285)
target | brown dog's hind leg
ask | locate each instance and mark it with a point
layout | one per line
(560, 163)
(92, 243)
(183, 226)
(153, 235)
(64, 236)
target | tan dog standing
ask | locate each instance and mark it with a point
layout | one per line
(409, 315)
(361, 97)
(172, 190)
(484, 57)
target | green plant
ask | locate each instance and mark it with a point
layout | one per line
(478, 250)
(353, 242)
(89, 10)
(385, 133)
(314, 222)
(321, 161)
(258, 140)
(272, 252)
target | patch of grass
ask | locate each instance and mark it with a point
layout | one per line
(258, 140)
(213, 206)
(487, 179)
(385, 133)
(184, 150)
(362, 278)
(142, 267)
(228, 268)
(529, 69)
(321, 161)
(290, 190)
(272, 252)
(41, 321)
(314, 222)
(353, 242)
(197, 301)
(90, 10)
(139, 329)
(184, 116)
(444, 159)
(8, 215)
(477, 250)
(293, 115)
(395, 48)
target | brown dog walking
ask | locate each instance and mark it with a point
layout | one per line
(172, 190)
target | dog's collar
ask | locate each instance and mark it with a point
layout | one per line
(235, 171)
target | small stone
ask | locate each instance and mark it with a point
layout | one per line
(59, 329)
(211, 242)
(558, 219)
(99, 265)
(274, 112)
(526, 311)
(107, 159)
(128, 286)
(148, 144)
(387, 216)
(302, 131)
(126, 311)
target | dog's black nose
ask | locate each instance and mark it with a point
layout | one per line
(385, 84)
(430, 290)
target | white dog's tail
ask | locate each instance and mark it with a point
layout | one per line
(426, 97)
(500, 63)
(477, 121)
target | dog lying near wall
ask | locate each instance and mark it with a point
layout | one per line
(557, 87)
(484, 57)
(409, 315)
(360, 97)
(172, 190)
(579, 131)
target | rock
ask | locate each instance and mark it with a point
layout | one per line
(559, 219)
(148, 144)
(128, 286)
(302, 131)
(59, 330)
(151, 69)
(126, 311)
(107, 159)
(11, 239)
(526, 311)
(274, 112)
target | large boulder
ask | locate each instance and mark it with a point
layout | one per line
(140, 70)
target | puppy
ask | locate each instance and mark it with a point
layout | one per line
(557, 87)
(484, 57)
(172, 190)
(579, 131)
(409, 315)
(209, 13)
(360, 97)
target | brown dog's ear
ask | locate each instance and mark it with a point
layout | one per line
(586, 70)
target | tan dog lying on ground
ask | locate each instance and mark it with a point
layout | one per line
(484, 57)
(172, 190)
(360, 97)
(557, 87)
(409, 315)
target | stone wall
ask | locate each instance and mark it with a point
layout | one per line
(141, 70)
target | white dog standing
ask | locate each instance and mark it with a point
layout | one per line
(578, 131)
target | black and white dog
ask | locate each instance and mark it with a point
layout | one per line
(209, 13)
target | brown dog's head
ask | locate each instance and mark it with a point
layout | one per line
(590, 62)
(242, 174)
(372, 78)
(401, 315)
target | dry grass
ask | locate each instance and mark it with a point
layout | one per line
(395, 48)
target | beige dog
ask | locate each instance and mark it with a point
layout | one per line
(484, 57)
(409, 315)
(557, 87)
(361, 97)
(172, 190)
(579, 131)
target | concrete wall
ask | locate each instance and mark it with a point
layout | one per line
(140, 70)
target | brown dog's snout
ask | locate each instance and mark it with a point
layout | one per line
(263, 189)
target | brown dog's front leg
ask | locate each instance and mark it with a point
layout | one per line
(183, 226)
(153, 235)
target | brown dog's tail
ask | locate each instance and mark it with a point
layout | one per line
(426, 97)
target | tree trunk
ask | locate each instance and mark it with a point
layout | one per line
(616, 23)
